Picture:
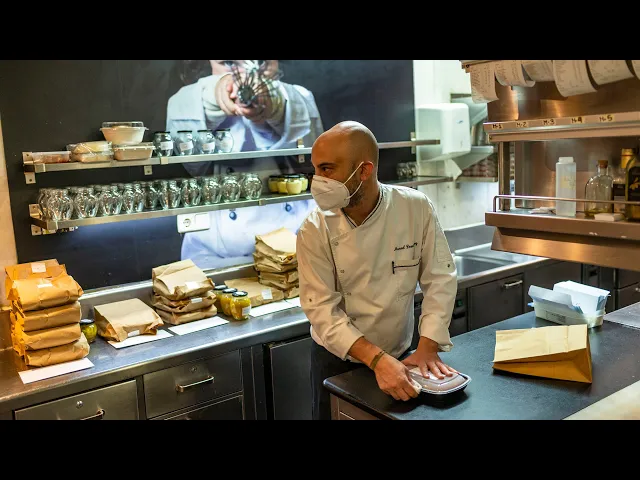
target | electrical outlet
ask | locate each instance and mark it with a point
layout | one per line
(193, 222)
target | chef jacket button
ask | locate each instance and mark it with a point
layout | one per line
(341, 271)
(288, 207)
(233, 215)
(348, 294)
(335, 244)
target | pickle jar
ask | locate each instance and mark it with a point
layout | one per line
(225, 299)
(294, 185)
(88, 327)
(305, 182)
(282, 184)
(273, 183)
(218, 289)
(240, 305)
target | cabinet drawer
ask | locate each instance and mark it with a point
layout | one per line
(192, 383)
(230, 409)
(117, 402)
(628, 296)
(495, 301)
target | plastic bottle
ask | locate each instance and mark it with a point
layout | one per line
(566, 186)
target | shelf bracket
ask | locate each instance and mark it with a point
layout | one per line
(300, 145)
(29, 169)
(412, 137)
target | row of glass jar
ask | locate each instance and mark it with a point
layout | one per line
(291, 184)
(407, 170)
(105, 200)
(186, 142)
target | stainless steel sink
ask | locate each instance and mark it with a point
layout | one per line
(470, 266)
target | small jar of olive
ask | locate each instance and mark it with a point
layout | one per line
(240, 306)
(88, 327)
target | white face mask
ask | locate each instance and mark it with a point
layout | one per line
(330, 194)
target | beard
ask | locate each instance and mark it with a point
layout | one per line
(357, 197)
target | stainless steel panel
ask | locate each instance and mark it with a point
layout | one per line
(628, 296)
(290, 364)
(626, 278)
(231, 409)
(495, 301)
(117, 402)
(192, 383)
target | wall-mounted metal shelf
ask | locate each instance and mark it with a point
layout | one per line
(43, 226)
(31, 168)
(477, 179)
(626, 124)
(614, 244)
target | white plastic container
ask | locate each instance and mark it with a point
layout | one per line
(141, 151)
(123, 135)
(566, 186)
(565, 317)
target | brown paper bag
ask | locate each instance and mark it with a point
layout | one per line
(560, 352)
(22, 271)
(277, 283)
(47, 338)
(285, 278)
(264, 264)
(39, 293)
(279, 246)
(49, 317)
(258, 294)
(120, 320)
(55, 355)
(184, 306)
(292, 292)
(180, 280)
(180, 318)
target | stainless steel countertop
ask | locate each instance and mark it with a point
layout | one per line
(113, 365)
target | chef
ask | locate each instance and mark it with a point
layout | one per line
(361, 255)
(288, 114)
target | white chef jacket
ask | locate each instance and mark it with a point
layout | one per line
(231, 238)
(361, 281)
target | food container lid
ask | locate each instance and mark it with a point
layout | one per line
(223, 130)
(220, 287)
(184, 131)
(86, 321)
(239, 294)
(230, 290)
(205, 130)
(139, 146)
(436, 386)
(122, 124)
(89, 147)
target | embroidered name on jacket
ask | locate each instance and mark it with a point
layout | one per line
(404, 247)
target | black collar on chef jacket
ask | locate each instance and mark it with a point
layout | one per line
(380, 195)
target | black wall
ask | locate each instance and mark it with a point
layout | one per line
(44, 105)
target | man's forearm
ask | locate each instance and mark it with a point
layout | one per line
(364, 351)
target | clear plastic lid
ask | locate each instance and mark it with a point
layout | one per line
(122, 124)
(89, 147)
(139, 146)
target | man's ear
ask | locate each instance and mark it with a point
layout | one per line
(367, 170)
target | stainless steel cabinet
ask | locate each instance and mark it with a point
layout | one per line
(289, 379)
(548, 275)
(116, 402)
(231, 409)
(495, 301)
(628, 296)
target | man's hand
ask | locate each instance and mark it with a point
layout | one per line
(393, 378)
(226, 92)
(426, 357)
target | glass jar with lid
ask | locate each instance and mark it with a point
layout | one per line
(162, 187)
(412, 169)
(294, 185)
(206, 142)
(104, 200)
(240, 305)
(184, 143)
(150, 196)
(225, 300)
(305, 182)
(80, 203)
(173, 194)
(66, 205)
(224, 140)
(252, 186)
(128, 199)
(88, 327)
(163, 143)
(138, 191)
(273, 183)
(282, 184)
(194, 192)
(92, 202)
(117, 200)
(43, 193)
(230, 189)
(218, 289)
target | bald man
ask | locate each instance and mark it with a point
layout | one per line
(361, 254)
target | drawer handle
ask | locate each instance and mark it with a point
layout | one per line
(507, 286)
(637, 289)
(182, 388)
(97, 416)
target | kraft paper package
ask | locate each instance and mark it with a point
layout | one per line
(118, 321)
(279, 246)
(55, 355)
(22, 271)
(184, 306)
(288, 278)
(258, 294)
(180, 280)
(264, 264)
(50, 337)
(49, 317)
(277, 283)
(38, 293)
(292, 292)
(561, 352)
(180, 318)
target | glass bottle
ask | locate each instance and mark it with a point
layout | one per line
(162, 187)
(128, 199)
(80, 203)
(138, 191)
(194, 192)
(92, 202)
(620, 179)
(174, 194)
(632, 190)
(150, 196)
(565, 186)
(599, 187)
(116, 206)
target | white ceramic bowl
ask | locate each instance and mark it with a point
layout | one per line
(124, 135)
